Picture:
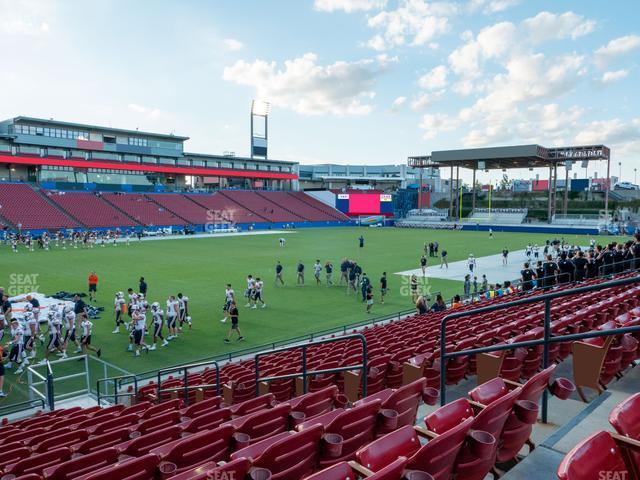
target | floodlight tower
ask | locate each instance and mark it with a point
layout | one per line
(259, 128)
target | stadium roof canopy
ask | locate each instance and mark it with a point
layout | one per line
(518, 156)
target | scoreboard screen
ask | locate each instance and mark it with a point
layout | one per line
(355, 204)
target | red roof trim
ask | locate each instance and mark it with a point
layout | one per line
(132, 167)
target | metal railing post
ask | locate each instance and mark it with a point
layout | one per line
(159, 389)
(365, 379)
(186, 386)
(30, 383)
(545, 354)
(50, 391)
(304, 369)
(443, 361)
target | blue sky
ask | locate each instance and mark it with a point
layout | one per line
(351, 81)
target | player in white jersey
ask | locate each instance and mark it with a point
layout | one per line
(119, 308)
(317, 269)
(229, 298)
(139, 321)
(536, 251)
(69, 322)
(54, 322)
(157, 320)
(183, 308)
(471, 262)
(16, 345)
(173, 311)
(249, 291)
(30, 332)
(529, 251)
(282, 241)
(257, 295)
(85, 339)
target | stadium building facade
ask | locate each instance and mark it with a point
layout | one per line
(73, 155)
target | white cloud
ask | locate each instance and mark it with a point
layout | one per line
(413, 23)
(495, 41)
(149, 113)
(551, 26)
(425, 100)
(24, 17)
(233, 44)
(349, 6)
(398, 103)
(611, 132)
(341, 88)
(491, 6)
(436, 78)
(616, 48)
(433, 124)
(614, 76)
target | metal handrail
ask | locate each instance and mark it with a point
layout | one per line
(547, 339)
(117, 384)
(305, 374)
(613, 265)
(185, 380)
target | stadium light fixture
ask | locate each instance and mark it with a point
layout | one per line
(260, 108)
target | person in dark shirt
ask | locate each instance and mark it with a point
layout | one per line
(439, 305)
(421, 305)
(383, 286)
(279, 273)
(235, 326)
(361, 241)
(566, 269)
(580, 264)
(527, 275)
(607, 257)
(300, 270)
(143, 287)
(618, 258)
(364, 286)
(6, 309)
(344, 271)
(592, 265)
(539, 274)
(80, 308)
(550, 269)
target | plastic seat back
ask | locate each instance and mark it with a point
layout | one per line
(625, 417)
(37, 463)
(262, 424)
(205, 446)
(339, 471)
(439, 455)
(315, 403)
(292, 457)
(448, 416)
(405, 401)
(209, 420)
(403, 442)
(252, 405)
(598, 453)
(82, 465)
(142, 468)
(235, 469)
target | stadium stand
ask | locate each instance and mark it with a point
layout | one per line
(225, 209)
(142, 209)
(181, 206)
(261, 205)
(49, 209)
(21, 204)
(315, 203)
(90, 209)
(499, 216)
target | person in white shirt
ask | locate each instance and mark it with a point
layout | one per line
(157, 320)
(172, 316)
(471, 262)
(30, 333)
(69, 321)
(54, 322)
(249, 291)
(85, 339)
(317, 269)
(257, 295)
(183, 305)
(229, 298)
(282, 241)
(16, 344)
(139, 321)
(119, 307)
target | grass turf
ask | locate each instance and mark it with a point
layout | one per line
(200, 268)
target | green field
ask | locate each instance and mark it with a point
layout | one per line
(200, 268)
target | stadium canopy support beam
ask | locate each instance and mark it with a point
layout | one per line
(549, 195)
(458, 199)
(565, 203)
(555, 189)
(473, 191)
(606, 192)
(451, 193)
(420, 191)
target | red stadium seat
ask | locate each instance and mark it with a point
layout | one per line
(625, 418)
(196, 409)
(598, 453)
(315, 403)
(37, 463)
(261, 424)
(82, 465)
(235, 469)
(205, 446)
(208, 420)
(141, 445)
(142, 468)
